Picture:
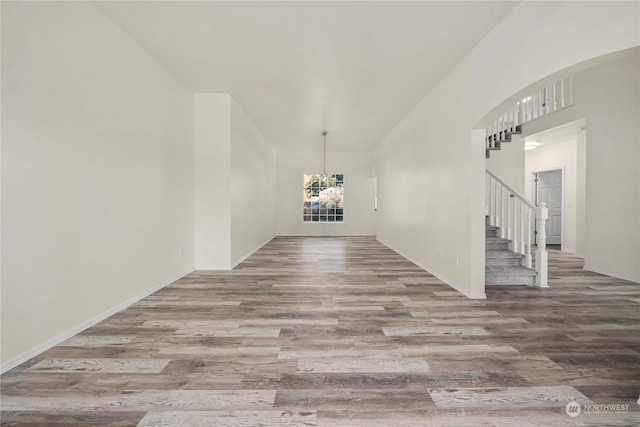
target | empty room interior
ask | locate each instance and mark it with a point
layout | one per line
(320, 213)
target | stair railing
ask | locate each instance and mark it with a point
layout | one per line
(545, 100)
(514, 215)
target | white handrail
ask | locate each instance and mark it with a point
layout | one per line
(531, 205)
(514, 215)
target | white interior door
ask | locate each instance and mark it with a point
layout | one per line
(549, 191)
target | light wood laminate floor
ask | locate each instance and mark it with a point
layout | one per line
(344, 332)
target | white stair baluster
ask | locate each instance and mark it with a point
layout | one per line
(499, 207)
(541, 102)
(510, 126)
(570, 90)
(496, 196)
(523, 213)
(542, 260)
(512, 210)
(513, 237)
(527, 249)
(547, 99)
(503, 215)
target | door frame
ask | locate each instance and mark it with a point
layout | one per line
(534, 194)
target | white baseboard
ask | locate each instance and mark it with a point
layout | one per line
(84, 325)
(604, 273)
(451, 283)
(325, 235)
(252, 252)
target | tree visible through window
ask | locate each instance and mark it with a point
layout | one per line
(323, 198)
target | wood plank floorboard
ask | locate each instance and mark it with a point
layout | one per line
(344, 332)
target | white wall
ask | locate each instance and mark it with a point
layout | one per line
(212, 128)
(235, 184)
(508, 163)
(608, 96)
(581, 196)
(359, 215)
(613, 174)
(563, 156)
(428, 166)
(97, 173)
(253, 187)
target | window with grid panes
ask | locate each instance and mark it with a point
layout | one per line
(323, 198)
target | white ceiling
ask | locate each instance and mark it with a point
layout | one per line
(352, 68)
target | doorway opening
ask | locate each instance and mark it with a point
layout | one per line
(561, 149)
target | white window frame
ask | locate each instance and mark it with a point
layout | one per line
(312, 211)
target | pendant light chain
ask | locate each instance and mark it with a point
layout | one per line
(324, 149)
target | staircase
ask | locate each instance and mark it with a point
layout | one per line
(502, 265)
(548, 99)
(495, 140)
(509, 216)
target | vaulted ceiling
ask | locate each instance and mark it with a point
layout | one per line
(297, 68)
